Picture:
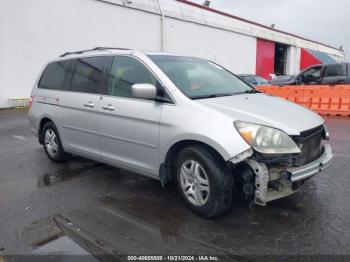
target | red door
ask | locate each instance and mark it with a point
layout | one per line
(265, 58)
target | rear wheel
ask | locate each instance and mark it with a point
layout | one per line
(52, 143)
(203, 181)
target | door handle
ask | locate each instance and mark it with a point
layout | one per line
(90, 104)
(108, 107)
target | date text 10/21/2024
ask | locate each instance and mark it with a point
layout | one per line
(173, 258)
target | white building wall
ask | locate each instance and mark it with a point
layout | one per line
(33, 32)
(338, 59)
(293, 60)
(236, 52)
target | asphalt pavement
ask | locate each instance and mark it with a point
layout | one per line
(83, 207)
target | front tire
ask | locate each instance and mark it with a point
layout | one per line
(204, 181)
(52, 143)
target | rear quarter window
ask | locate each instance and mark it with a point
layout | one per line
(54, 75)
(335, 70)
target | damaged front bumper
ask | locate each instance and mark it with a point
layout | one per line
(272, 183)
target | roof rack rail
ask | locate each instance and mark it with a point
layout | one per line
(106, 48)
(99, 48)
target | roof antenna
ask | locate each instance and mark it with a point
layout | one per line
(206, 3)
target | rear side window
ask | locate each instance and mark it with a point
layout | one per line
(88, 75)
(335, 70)
(55, 75)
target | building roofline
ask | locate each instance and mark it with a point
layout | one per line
(252, 22)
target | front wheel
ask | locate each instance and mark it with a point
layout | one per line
(203, 181)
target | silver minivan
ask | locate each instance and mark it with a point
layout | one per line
(177, 119)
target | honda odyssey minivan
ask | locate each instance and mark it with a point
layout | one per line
(177, 119)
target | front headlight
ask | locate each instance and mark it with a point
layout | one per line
(325, 134)
(267, 140)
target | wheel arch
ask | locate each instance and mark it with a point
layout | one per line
(166, 170)
(42, 123)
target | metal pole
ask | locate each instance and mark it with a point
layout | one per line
(162, 27)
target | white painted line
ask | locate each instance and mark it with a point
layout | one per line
(20, 138)
(342, 155)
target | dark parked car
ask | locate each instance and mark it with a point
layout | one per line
(331, 74)
(254, 80)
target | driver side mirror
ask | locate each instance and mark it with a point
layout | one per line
(304, 79)
(144, 91)
(299, 80)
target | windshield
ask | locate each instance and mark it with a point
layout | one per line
(261, 81)
(199, 78)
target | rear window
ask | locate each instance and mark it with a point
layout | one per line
(54, 75)
(335, 70)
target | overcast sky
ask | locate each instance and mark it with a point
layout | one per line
(326, 21)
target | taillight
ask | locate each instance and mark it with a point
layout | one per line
(30, 102)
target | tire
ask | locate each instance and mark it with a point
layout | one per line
(208, 200)
(52, 143)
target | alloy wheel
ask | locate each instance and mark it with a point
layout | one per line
(51, 142)
(194, 182)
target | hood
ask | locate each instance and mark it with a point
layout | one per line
(266, 110)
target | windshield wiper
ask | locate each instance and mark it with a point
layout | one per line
(211, 96)
(252, 91)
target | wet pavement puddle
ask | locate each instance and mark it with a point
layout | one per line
(45, 237)
(63, 246)
(54, 177)
(26, 186)
(115, 227)
(112, 230)
(110, 211)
